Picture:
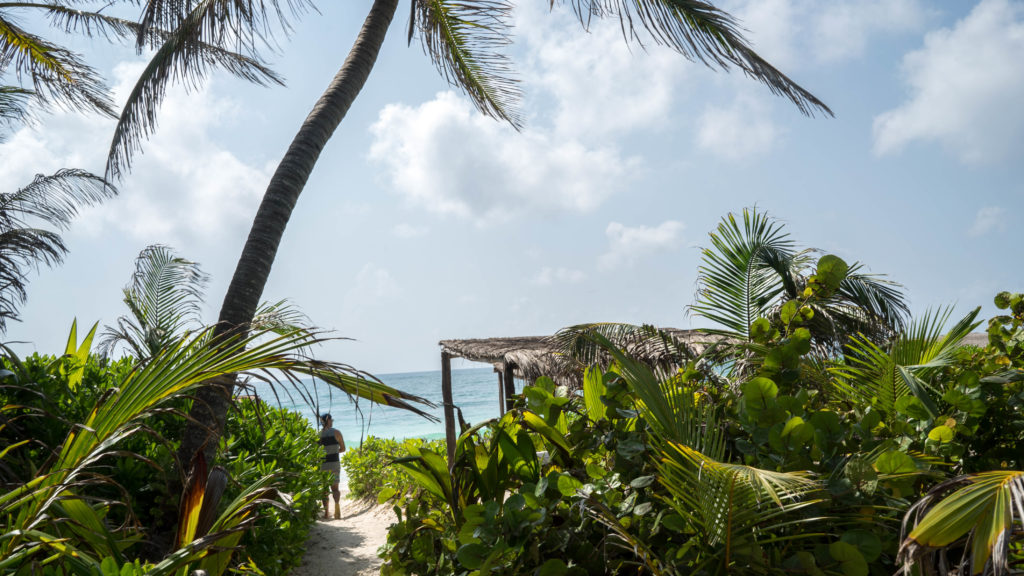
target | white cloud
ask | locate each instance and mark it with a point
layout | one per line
(627, 244)
(794, 33)
(406, 230)
(547, 276)
(445, 157)
(600, 85)
(966, 88)
(185, 184)
(987, 219)
(741, 131)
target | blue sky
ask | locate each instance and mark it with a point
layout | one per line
(426, 221)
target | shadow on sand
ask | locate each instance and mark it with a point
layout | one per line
(345, 547)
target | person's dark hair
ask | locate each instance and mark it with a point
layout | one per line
(325, 417)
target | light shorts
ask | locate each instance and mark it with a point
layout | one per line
(334, 468)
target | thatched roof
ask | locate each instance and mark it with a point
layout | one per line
(530, 356)
(979, 339)
(534, 356)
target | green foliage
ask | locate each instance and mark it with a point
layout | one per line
(370, 473)
(265, 441)
(72, 507)
(802, 464)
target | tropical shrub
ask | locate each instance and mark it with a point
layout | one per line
(266, 440)
(369, 470)
(80, 504)
(766, 455)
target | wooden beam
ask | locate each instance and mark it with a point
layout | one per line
(510, 385)
(501, 393)
(449, 411)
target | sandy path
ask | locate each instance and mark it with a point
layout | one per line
(347, 547)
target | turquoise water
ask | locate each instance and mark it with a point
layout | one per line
(474, 390)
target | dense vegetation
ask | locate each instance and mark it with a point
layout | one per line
(790, 446)
(801, 467)
(45, 398)
(370, 473)
(91, 477)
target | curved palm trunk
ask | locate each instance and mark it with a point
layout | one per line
(210, 408)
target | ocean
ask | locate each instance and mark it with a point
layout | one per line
(474, 390)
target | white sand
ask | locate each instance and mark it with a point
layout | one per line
(347, 547)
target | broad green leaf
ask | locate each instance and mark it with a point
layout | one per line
(895, 462)
(553, 567)
(568, 485)
(537, 424)
(941, 434)
(593, 389)
(867, 542)
(851, 561)
(472, 555)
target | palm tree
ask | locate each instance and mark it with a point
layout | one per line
(51, 201)
(164, 298)
(464, 39)
(753, 268)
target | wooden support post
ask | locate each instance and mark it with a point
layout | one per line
(449, 411)
(501, 393)
(510, 385)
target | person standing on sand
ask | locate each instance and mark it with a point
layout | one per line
(333, 445)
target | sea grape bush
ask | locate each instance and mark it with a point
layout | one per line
(804, 464)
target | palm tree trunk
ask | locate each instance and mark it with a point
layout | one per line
(209, 411)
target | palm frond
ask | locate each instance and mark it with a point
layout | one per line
(187, 55)
(980, 514)
(881, 299)
(464, 40)
(53, 200)
(14, 107)
(879, 377)
(177, 370)
(164, 296)
(56, 74)
(735, 509)
(280, 316)
(577, 342)
(739, 280)
(673, 411)
(701, 32)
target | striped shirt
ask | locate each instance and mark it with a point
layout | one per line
(330, 444)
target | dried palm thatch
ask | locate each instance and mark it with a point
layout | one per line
(531, 357)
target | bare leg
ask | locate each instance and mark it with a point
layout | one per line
(337, 500)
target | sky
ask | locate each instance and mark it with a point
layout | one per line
(425, 220)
